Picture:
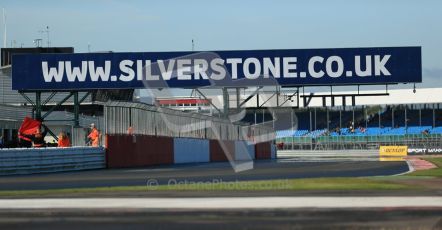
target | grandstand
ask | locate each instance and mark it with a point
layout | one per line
(367, 127)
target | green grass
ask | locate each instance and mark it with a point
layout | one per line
(318, 184)
(436, 172)
(292, 184)
(70, 191)
(341, 184)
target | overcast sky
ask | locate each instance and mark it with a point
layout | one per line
(170, 25)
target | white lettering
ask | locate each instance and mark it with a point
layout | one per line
(219, 72)
(329, 66)
(379, 65)
(166, 74)
(234, 62)
(148, 71)
(367, 71)
(311, 67)
(99, 72)
(288, 64)
(274, 67)
(76, 72)
(183, 69)
(53, 73)
(257, 68)
(199, 69)
(128, 74)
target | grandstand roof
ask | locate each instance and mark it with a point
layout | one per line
(397, 96)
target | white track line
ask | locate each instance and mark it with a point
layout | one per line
(223, 203)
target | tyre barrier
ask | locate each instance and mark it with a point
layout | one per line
(45, 160)
(125, 151)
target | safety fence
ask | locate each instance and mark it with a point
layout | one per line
(359, 142)
(329, 154)
(12, 116)
(143, 119)
(125, 150)
(44, 160)
(61, 121)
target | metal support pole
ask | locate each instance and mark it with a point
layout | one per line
(379, 117)
(353, 118)
(56, 106)
(315, 119)
(328, 120)
(365, 116)
(38, 105)
(84, 97)
(49, 98)
(27, 98)
(406, 122)
(340, 118)
(291, 119)
(237, 98)
(420, 116)
(392, 117)
(277, 96)
(263, 116)
(76, 110)
(225, 102)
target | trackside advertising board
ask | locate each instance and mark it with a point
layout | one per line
(295, 67)
(393, 153)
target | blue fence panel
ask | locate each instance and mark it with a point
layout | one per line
(273, 151)
(244, 151)
(188, 150)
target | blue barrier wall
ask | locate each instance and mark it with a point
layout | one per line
(189, 150)
(244, 151)
(273, 151)
(44, 160)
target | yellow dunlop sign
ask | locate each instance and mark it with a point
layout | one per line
(393, 153)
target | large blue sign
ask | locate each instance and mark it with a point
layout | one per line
(295, 67)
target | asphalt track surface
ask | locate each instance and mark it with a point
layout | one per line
(279, 218)
(377, 218)
(207, 172)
